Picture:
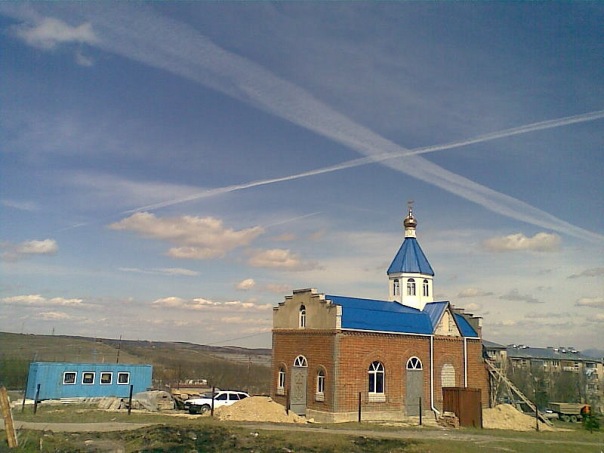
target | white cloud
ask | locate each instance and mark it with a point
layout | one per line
(240, 320)
(54, 316)
(20, 205)
(592, 302)
(178, 271)
(37, 299)
(514, 295)
(278, 288)
(473, 292)
(282, 259)
(43, 247)
(546, 315)
(201, 302)
(169, 302)
(83, 60)
(163, 271)
(246, 284)
(13, 252)
(472, 307)
(205, 304)
(195, 237)
(593, 272)
(540, 242)
(49, 32)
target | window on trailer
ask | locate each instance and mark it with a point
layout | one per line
(123, 378)
(88, 377)
(106, 377)
(69, 377)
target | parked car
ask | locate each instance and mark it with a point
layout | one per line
(221, 398)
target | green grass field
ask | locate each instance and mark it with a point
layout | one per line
(204, 434)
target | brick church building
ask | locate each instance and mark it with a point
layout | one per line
(331, 351)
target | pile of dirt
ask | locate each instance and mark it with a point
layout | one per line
(506, 416)
(256, 409)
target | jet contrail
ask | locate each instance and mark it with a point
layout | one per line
(559, 122)
(164, 43)
(533, 127)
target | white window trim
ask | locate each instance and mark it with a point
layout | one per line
(75, 377)
(374, 396)
(281, 381)
(301, 361)
(413, 362)
(302, 317)
(84, 373)
(110, 373)
(119, 373)
(320, 390)
(411, 288)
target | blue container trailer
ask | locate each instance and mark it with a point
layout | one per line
(58, 380)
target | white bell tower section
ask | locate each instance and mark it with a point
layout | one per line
(410, 276)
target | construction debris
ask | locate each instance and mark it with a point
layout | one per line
(448, 420)
(152, 401)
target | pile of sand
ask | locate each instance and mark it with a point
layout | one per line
(257, 409)
(506, 416)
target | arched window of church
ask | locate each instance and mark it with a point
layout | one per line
(396, 287)
(300, 361)
(447, 375)
(302, 317)
(414, 364)
(426, 288)
(376, 377)
(320, 393)
(411, 287)
(281, 381)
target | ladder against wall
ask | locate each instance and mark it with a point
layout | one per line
(499, 380)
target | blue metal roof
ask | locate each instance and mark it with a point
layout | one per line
(410, 258)
(464, 326)
(386, 316)
(435, 310)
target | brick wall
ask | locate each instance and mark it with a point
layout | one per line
(355, 351)
(318, 348)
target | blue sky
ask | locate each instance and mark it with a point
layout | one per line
(170, 171)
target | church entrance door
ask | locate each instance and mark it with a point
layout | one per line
(298, 386)
(415, 385)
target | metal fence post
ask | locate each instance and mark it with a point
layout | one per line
(359, 419)
(36, 398)
(213, 395)
(130, 399)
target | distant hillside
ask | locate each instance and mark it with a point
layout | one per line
(226, 367)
